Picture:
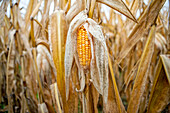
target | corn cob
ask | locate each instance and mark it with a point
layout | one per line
(83, 47)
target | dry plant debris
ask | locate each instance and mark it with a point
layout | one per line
(78, 58)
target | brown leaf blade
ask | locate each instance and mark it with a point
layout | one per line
(10, 76)
(57, 37)
(141, 27)
(142, 74)
(166, 63)
(100, 52)
(159, 97)
(120, 6)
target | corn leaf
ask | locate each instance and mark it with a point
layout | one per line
(159, 96)
(120, 6)
(57, 38)
(146, 19)
(142, 73)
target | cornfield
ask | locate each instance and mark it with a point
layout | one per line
(72, 56)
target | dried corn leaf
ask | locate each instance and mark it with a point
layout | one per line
(48, 98)
(95, 98)
(159, 96)
(92, 6)
(43, 63)
(100, 50)
(95, 76)
(102, 68)
(120, 6)
(73, 95)
(166, 63)
(10, 69)
(28, 13)
(32, 104)
(112, 105)
(82, 80)
(144, 98)
(131, 75)
(74, 10)
(134, 6)
(57, 37)
(146, 19)
(55, 97)
(2, 14)
(36, 9)
(142, 73)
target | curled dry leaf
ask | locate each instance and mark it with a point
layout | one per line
(32, 103)
(55, 97)
(98, 51)
(142, 73)
(120, 6)
(160, 91)
(76, 8)
(142, 27)
(160, 41)
(43, 63)
(10, 69)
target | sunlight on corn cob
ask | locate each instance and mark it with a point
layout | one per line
(83, 47)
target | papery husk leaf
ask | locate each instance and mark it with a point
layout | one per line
(160, 91)
(100, 55)
(44, 50)
(142, 27)
(142, 73)
(96, 31)
(82, 80)
(70, 45)
(119, 6)
(2, 14)
(95, 76)
(57, 37)
(43, 63)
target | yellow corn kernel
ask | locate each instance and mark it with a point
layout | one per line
(83, 47)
